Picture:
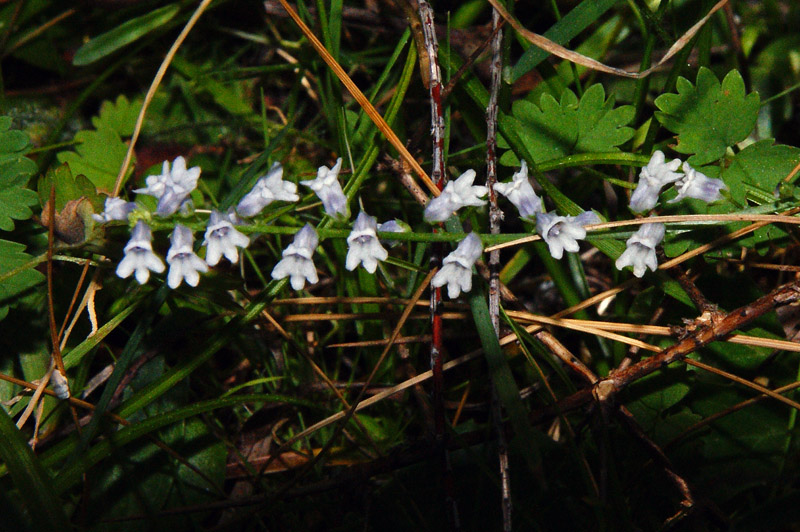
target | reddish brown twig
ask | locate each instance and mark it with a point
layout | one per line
(701, 334)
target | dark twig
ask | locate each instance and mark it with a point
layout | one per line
(687, 504)
(495, 217)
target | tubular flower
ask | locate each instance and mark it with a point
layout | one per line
(652, 179)
(222, 238)
(267, 189)
(296, 262)
(326, 186)
(456, 194)
(641, 249)
(697, 185)
(456, 270)
(115, 209)
(520, 192)
(364, 246)
(139, 256)
(562, 232)
(183, 263)
(171, 187)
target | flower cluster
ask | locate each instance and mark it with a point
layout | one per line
(658, 173)
(222, 238)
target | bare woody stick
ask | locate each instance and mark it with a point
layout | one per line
(705, 331)
(495, 216)
(431, 54)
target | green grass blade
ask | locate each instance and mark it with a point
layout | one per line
(107, 43)
(565, 29)
(30, 478)
(503, 380)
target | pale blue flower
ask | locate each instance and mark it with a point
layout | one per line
(222, 238)
(563, 232)
(697, 185)
(520, 192)
(267, 189)
(115, 209)
(139, 256)
(640, 250)
(184, 264)
(653, 177)
(363, 245)
(297, 263)
(326, 186)
(59, 384)
(456, 271)
(171, 187)
(456, 194)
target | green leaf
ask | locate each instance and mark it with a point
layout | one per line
(762, 164)
(17, 273)
(99, 157)
(120, 115)
(15, 170)
(132, 30)
(557, 129)
(574, 22)
(708, 117)
(30, 478)
(68, 188)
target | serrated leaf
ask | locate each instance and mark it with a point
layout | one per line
(12, 256)
(68, 188)
(119, 115)
(98, 156)
(15, 170)
(556, 129)
(708, 117)
(111, 41)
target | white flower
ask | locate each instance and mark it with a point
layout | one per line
(115, 209)
(267, 189)
(652, 179)
(364, 246)
(171, 187)
(456, 194)
(222, 238)
(520, 192)
(326, 186)
(697, 185)
(183, 263)
(641, 249)
(296, 262)
(562, 232)
(139, 256)
(456, 270)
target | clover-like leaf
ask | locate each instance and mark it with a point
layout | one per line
(556, 129)
(15, 170)
(119, 115)
(98, 156)
(708, 117)
(12, 257)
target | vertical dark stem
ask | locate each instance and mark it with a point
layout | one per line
(495, 217)
(434, 76)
